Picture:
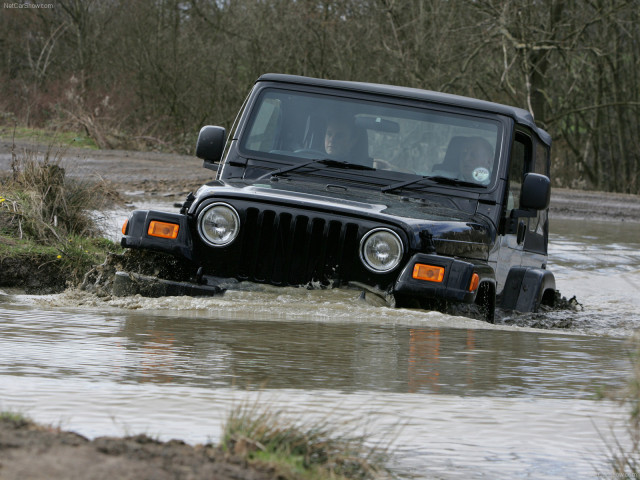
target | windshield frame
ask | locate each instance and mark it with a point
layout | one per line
(277, 160)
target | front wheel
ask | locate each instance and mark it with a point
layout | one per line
(486, 302)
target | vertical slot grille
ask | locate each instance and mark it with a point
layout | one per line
(282, 248)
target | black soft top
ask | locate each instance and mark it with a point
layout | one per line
(518, 114)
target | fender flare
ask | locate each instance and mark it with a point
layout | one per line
(525, 287)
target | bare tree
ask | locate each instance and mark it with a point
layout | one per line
(157, 70)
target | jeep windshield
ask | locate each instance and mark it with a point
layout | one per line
(300, 130)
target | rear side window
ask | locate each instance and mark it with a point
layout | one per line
(541, 159)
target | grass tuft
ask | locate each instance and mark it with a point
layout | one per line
(295, 451)
(15, 418)
(47, 219)
(38, 201)
(624, 454)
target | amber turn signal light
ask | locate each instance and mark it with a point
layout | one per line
(475, 280)
(124, 226)
(163, 229)
(430, 273)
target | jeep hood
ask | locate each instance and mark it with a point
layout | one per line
(448, 227)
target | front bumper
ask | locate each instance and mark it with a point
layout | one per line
(454, 286)
(271, 264)
(136, 234)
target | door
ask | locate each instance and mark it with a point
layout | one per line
(511, 239)
(537, 232)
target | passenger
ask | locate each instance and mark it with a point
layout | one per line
(476, 161)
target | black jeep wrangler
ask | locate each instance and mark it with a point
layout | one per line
(424, 198)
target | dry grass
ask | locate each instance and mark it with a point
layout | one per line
(298, 451)
(15, 417)
(39, 202)
(624, 455)
(46, 215)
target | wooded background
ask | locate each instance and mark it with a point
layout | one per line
(150, 73)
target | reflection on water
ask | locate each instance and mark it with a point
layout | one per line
(459, 402)
(461, 398)
(216, 353)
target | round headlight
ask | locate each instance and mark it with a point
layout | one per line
(381, 250)
(219, 224)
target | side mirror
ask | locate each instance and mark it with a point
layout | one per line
(210, 143)
(536, 192)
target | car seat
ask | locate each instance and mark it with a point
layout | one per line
(455, 150)
(360, 150)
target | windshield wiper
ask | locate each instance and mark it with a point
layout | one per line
(329, 162)
(434, 179)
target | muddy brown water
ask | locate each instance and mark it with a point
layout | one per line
(450, 397)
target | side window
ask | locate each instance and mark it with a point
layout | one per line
(541, 166)
(523, 161)
(520, 158)
(264, 127)
(542, 159)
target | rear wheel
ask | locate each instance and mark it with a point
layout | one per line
(549, 298)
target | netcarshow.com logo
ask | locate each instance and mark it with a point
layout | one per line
(28, 5)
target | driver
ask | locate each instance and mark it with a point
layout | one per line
(339, 138)
(476, 161)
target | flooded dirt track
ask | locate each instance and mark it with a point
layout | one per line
(599, 263)
(454, 402)
(453, 397)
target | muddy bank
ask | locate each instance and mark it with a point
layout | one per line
(36, 452)
(33, 273)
